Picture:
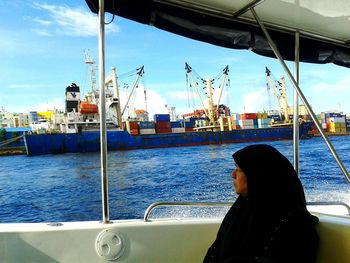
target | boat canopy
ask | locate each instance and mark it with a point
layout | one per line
(323, 24)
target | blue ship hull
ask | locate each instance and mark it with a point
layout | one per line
(39, 144)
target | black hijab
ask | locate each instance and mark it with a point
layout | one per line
(272, 180)
(274, 193)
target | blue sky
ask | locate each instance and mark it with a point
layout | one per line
(42, 52)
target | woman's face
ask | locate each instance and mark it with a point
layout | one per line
(239, 181)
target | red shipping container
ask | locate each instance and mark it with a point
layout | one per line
(134, 131)
(133, 125)
(248, 116)
(165, 130)
(163, 125)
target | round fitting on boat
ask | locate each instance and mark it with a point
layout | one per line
(109, 245)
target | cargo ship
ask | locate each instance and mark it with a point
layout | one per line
(213, 124)
(89, 141)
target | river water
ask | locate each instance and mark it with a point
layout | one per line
(67, 187)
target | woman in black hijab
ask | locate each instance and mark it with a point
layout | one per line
(269, 222)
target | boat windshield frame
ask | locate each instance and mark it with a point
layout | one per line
(294, 80)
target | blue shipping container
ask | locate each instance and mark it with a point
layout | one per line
(333, 114)
(176, 124)
(146, 125)
(161, 117)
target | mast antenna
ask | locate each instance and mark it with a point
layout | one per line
(89, 61)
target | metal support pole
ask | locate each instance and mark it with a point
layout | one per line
(296, 107)
(301, 95)
(103, 133)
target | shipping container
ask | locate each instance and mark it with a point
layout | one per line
(201, 123)
(176, 124)
(248, 116)
(189, 124)
(336, 120)
(146, 125)
(178, 130)
(333, 114)
(131, 125)
(162, 125)
(147, 131)
(134, 131)
(161, 117)
(337, 130)
(249, 122)
(261, 115)
(265, 121)
(275, 117)
(236, 116)
(263, 125)
(248, 127)
(336, 125)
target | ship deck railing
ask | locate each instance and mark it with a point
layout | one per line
(219, 209)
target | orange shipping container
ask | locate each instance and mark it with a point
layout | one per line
(134, 131)
(133, 124)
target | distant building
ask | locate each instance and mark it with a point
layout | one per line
(13, 120)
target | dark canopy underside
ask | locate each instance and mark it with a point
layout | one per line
(225, 31)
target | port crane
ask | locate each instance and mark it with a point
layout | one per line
(279, 89)
(115, 100)
(210, 111)
(113, 105)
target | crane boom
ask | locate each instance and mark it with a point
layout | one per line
(139, 73)
(222, 85)
(194, 84)
(212, 109)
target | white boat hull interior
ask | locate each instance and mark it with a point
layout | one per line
(138, 241)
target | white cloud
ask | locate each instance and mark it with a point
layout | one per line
(29, 86)
(43, 22)
(41, 32)
(254, 101)
(56, 103)
(155, 102)
(70, 21)
(340, 85)
(181, 95)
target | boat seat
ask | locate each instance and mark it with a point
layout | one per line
(334, 232)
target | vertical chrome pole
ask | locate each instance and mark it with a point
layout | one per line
(103, 133)
(296, 106)
(301, 95)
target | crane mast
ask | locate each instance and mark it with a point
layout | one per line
(211, 113)
(284, 103)
(89, 61)
(280, 93)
